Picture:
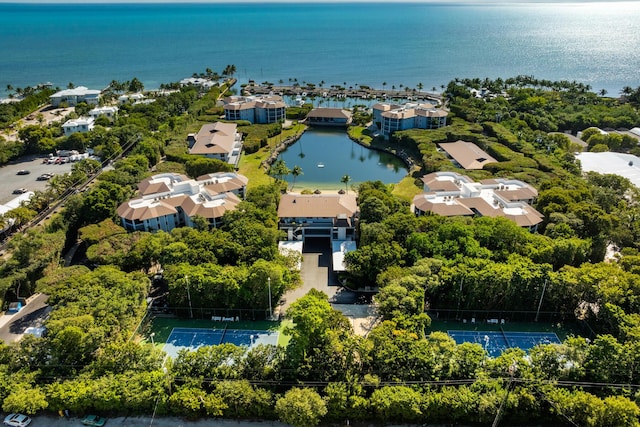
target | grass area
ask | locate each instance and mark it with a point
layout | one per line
(361, 134)
(562, 330)
(161, 327)
(250, 163)
(406, 188)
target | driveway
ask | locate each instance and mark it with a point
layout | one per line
(13, 326)
(317, 272)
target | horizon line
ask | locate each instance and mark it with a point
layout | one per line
(301, 2)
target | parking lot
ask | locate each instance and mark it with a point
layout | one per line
(11, 181)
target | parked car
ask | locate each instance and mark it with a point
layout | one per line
(94, 420)
(17, 420)
(23, 172)
(45, 177)
(19, 191)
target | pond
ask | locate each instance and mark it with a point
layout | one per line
(326, 155)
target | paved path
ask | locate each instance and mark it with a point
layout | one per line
(316, 273)
(13, 326)
(50, 421)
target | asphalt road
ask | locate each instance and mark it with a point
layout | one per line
(33, 314)
(10, 181)
(49, 421)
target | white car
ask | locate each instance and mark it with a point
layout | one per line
(17, 420)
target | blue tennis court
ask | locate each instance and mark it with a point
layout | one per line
(497, 342)
(192, 338)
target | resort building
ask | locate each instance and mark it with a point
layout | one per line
(81, 124)
(217, 141)
(328, 117)
(466, 155)
(75, 96)
(131, 98)
(108, 112)
(391, 117)
(318, 215)
(172, 200)
(257, 109)
(199, 82)
(452, 194)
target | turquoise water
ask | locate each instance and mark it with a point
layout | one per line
(356, 43)
(338, 156)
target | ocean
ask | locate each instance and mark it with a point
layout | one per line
(400, 44)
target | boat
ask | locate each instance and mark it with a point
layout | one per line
(320, 165)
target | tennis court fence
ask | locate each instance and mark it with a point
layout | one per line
(224, 314)
(489, 316)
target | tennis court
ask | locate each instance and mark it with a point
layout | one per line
(192, 338)
(497, 342)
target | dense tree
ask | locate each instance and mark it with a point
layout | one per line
(301, 407)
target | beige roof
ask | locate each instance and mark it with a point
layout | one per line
(432, 112)
(525, 193)
(130, 211)
(437, 182)
(236, 106)
(527, 218)
(317, 205)
(481, 206)
(159, 183)
(211, 209)
(467, 154)
(267, 104)
(215, 138)
(330, 112)
(220, 183)
(443, 209)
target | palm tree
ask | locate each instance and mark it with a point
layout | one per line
(420, 86)
(296, 172)
(345, 180)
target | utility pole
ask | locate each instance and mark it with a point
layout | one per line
(186, 278)
(544, 288)
(270, 311)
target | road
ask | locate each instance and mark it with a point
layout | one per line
(12, 326)
(34, 165)
(50, 421)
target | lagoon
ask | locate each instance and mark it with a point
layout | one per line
(326, 155)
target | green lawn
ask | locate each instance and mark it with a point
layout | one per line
(250, 163)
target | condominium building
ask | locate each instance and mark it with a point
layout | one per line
(391, 117)
(258, 109)
(171, 200)
(452, 194)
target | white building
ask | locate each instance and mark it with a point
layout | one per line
(172, 200)
(318, 215)
(452, 194)
(81, 124)
(132, 98)
(75, 96)
(108, 112)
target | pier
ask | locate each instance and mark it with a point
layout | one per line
(337, 91)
